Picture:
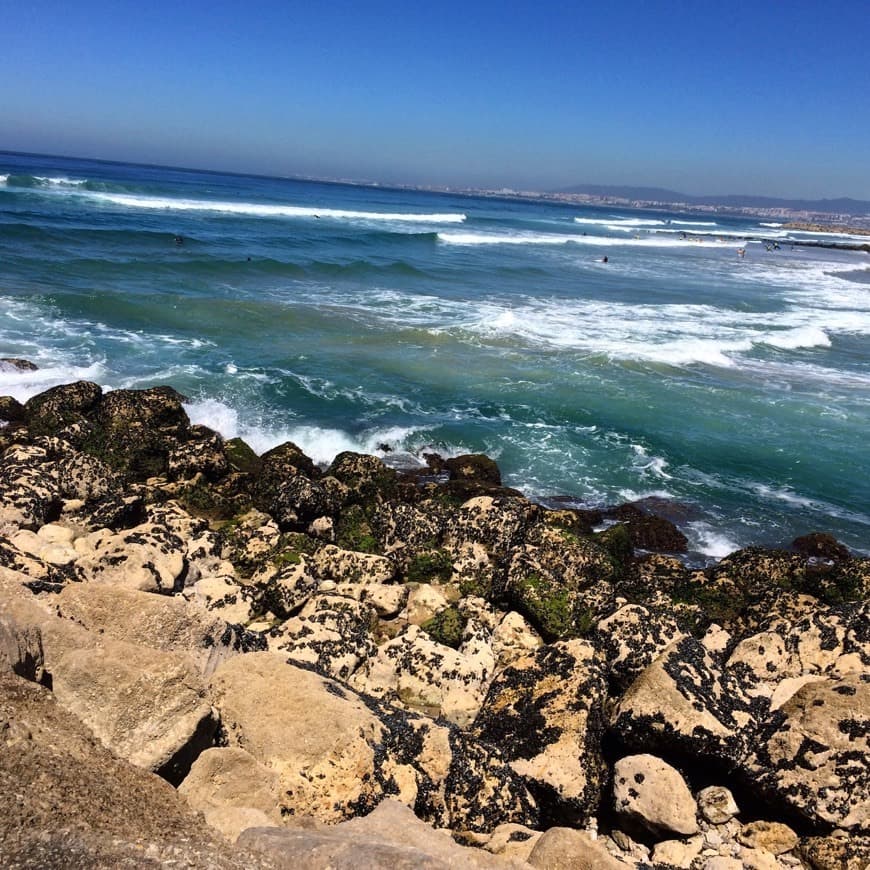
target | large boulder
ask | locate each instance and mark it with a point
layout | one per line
(570, 849)
(546, 712)
(416, 672)
(684, 704)
(58, 407)
(20, 637)
(332, 633)
(813, 753)
(563, 584)
(135, 431)
(227, 780)
(649, 792)
(390, 836)
(338, 755)
(149, 557)
(157, 621)
(367, 478)
(68, 802)
(632, 638)
(147, 706)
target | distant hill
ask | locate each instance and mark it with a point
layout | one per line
(843, 205)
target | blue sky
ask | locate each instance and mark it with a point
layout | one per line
(743, 97)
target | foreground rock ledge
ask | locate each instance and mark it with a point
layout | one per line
(332, 663)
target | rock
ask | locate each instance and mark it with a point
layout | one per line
(367, 478)
(284, 592)
(812, 753)
(30, 493)
(48, 412)
(513, 639)
(11, 410)
(717, 804)
(16, 364)
(569, 849)
(546, 712)
(82, 806)
(512, 841)
(298, 501)
(498, 524)
(424, 602)
(758, 859)
(723, 863)
(821, 545)
(333, 563)
(21, 650)
(231, 779)
(837, 853)
(147, 706)
(474, 466)
(53, 552)
(148, 557)
(648, 531)
(338, 755)
(633, 638)
(416, 672)
(156, 621)
(683, 704)
(204, 454)
(400, 525)
(390, 836)
(137, 430)
(332, 633)
(774, 837)
(653, 794)
(220, 595)
(678, 853)
(560, 583)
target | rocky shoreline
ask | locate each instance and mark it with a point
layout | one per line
(211, 658)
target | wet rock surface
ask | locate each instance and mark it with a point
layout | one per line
(331, 664)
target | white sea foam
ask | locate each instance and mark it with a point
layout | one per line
(255, 209)
(322, 444)
(694, 223)
(801, 336)
(769, 225)
(4, 179)
(624, 222)
(526, 238)
(23, 384)
(61, 181)
(711, 542)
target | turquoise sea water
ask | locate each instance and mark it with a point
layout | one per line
(345, 317)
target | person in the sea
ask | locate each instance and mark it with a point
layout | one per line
(179, 240)
(741, 252)
(604, 259)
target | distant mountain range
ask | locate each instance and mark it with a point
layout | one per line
(843, 205)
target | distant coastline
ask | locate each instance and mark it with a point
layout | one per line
(826, 215)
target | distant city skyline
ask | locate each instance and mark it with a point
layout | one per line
(705, 100)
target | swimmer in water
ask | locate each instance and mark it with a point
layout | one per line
(179, 240)
(604, 259)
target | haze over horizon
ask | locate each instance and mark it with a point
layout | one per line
(737, 100)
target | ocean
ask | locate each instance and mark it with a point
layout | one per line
(733, 391)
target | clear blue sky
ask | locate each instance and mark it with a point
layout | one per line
(738, 97)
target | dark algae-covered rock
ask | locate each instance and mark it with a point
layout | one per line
(58, 407)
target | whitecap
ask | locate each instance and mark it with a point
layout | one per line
(255, 209)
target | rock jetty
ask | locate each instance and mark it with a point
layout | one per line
(210, 658)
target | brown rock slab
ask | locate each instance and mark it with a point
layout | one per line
(570, 849)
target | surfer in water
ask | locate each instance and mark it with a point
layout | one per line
(179, 240)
